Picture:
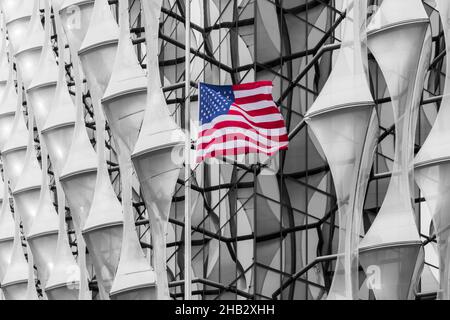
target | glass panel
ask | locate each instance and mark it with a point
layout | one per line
(433, 168)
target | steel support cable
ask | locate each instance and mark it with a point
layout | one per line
(294, 277)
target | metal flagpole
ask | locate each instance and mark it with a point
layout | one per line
(187, 152)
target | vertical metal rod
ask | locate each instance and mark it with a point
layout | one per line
(187, 152)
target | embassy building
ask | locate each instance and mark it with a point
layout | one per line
(98, 99)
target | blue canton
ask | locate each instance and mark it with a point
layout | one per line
(214, 101)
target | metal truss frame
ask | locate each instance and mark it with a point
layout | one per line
(325, 227)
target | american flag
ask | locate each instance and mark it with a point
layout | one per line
(239, 119)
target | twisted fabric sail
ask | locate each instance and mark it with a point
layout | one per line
(399, 39)
(432, 167)
(79, 170)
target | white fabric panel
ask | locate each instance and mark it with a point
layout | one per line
(15, 284)
(68, 280)
(392, 246)
(43, 232)
(8, 101)
(344, 122)
(6, 233)
(79, 172)
(433, 167)
(398, 198)
(15, 148)
(159, 141)
(64, 280)
(395, 12)
(16, 273)
(135, 278)
(76, 13)
(125, 96)
(347, 84)
(4, 63)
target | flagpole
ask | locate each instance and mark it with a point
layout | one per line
(187, 152)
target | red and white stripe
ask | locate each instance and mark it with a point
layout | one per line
(253, 124)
